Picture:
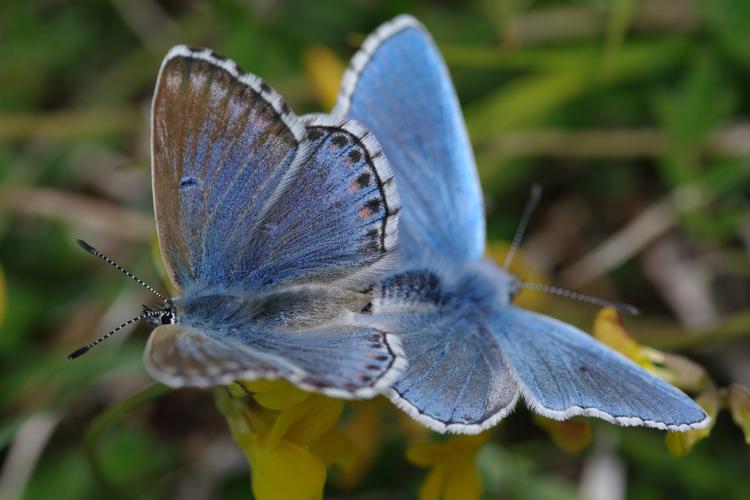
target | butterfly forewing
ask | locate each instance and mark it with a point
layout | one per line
(245, 199)
(398, 86)
(219, 149)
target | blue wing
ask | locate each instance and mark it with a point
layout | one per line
(270, 226)
(398, 86)
(340, 360)
(457, 380)
(562, 372)
(248, 196)
(471, 354)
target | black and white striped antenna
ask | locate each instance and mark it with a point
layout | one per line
(588, 299)
(534, 197)
(146, 314)
(528, 211)
(94, 251)
(83, 350)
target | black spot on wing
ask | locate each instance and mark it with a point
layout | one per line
(339, 140)
(376, 207)
(373, 204)
(355, 155)
(314, 134)
(364, 180)
(188, 182)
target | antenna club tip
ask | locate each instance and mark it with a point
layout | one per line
(85, 246)
(79, 352)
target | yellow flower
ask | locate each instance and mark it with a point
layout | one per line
(453, 474)
(288, 437)
(324, 69)
(571, 436)
(675, 369)
(521, 267)
(365, 429)
(609, 330)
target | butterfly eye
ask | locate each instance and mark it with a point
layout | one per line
(166, 319)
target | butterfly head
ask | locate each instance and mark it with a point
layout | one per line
(162, 314)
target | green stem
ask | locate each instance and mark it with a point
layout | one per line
(732, 328)
(103, 422)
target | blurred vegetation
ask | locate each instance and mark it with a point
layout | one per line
(634, 115)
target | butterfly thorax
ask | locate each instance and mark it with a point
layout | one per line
(470, 286)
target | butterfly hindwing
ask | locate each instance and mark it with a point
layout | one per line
(339, 359)
(563, 372)
(247, 195)
(336, 217)
(398, 86)
(457, 380)
(179, 355)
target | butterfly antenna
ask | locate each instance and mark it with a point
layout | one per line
(94, 251)
(83, 350)
(534, 197)
(562, 292)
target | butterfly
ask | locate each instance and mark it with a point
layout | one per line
(472, 354)
(271, 227)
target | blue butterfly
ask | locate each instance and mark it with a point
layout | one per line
(471, 353)
(272, 227)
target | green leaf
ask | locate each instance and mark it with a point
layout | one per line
(738, 401)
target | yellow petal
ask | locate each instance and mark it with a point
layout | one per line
(335, 447)
(610, 331)
(474, 441)
(286, 471)
(275, 394)
(325, 70)
(521, 267)
(463, 482)
(364, 428)
(434, 483)
(307, 421)
(425, 454)
(453, 472)
(738, 400)
(571, 436)
(242, 420)
(680, 443)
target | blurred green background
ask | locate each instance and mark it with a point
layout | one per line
(633, 115)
